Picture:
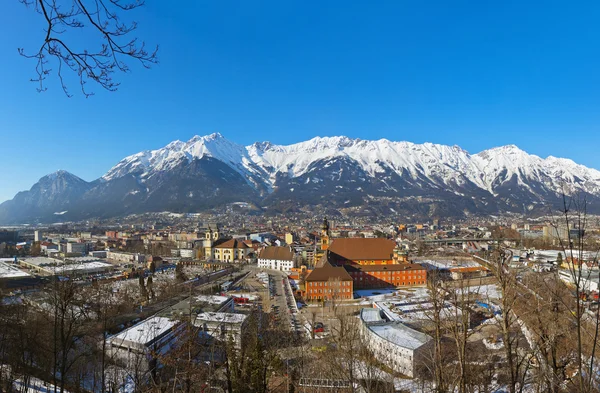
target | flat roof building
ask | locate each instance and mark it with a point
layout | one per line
(393, 343)
(222, 326)
(138, 346)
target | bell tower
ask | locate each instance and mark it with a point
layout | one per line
(325, 235)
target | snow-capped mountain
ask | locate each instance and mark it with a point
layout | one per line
(382, 176)
(439, 165)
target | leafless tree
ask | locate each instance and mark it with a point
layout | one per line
(573, 223)
(515, 346)
(102, 18)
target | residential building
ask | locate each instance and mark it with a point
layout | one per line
(278, 258)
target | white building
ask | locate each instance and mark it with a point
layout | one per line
(187, 253)
(76, 248)
(222, 325)
(589, 278)
(277, 258)
(97, 254)
(52, 266)
(137, 347)
(37, 236)
(125, 257)
(9, 271)
(394, 343)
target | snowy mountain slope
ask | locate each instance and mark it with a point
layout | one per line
(263, 163)
(341, 173)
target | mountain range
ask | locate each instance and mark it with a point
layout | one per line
(347, 175)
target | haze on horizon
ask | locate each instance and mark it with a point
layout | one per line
(472, 75)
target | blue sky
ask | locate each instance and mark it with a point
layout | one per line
(477, 74)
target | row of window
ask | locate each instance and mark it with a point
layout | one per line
(393, 273)
(313, 291)
(327, 283)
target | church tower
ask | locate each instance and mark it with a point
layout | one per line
(325, 235)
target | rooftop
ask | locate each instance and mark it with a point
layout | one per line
(224, 317)
(377, 268)
(401, 335)
(363, 248)
(85, 259)
(328, 272)
(212, 299)
(8, 270)
(277, 253)
(41, 261)
(146, 331)
(371, 315)
(232, 243)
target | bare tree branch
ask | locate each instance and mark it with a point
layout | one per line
(102, 17)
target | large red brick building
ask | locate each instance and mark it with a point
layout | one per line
(328, 282)
(371, 262)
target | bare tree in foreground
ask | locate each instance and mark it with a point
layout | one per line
(573, 222)
(103, 18)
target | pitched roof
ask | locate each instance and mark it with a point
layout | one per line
(232, 243)
(277, 253)
(357, 248)
(328, 272)
(384, 268)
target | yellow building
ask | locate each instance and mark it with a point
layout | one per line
(232, 251)
(289, 238)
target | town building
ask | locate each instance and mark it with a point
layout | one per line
(394, 344)
(277, 258)
(232, 250)
(365, 251)
(223, 326)
(8, 271)
(126, 257)
(382, 276)
(76, 248)
(139, 347)
(375, 263)
(58, 267)
(328, 282)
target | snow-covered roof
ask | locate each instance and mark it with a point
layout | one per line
(146, 331)
(212, 299)
(80, 267)
(401, 335)
(86, 259)
(41, 261)
(11, 271)
(224, 317)
(370, 315)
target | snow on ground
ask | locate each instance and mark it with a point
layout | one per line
(489, 291)
(493, 345)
